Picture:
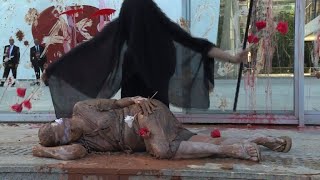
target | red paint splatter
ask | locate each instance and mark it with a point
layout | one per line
(72, 12)
(17, 108)
(27, 104)
(21, 92)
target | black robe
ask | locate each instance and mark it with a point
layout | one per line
(144, 41)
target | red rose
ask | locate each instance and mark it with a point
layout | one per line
(261, 24)
(282, 27)
(17, 108)
(144, 132)
(21, 92)
(215, 133)
(27, 104)
(253, 39)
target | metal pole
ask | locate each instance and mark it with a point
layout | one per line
(299, 61)
(241, 64)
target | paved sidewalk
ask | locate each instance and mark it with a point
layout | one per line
(302, 162)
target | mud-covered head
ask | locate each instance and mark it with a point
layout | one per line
(55, 133)
(47, 136)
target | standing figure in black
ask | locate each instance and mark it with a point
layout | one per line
(11, 59)
(37, 59)
(143, 53)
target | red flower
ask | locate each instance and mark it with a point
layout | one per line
(144, 132)
(27, 104)
(17, 108)
(215, 133)
(282, 27)
(21, 92)
(253, 39)
(261, 24)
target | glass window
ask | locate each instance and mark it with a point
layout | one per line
(267, 81)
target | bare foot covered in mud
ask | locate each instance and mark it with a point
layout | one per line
(246, 151)
(279, 144)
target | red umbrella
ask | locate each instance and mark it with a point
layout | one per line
(72, 12)
(106, 12)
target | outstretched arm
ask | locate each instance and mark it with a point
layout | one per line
(177, 33)
(197, 44)
(67, 152)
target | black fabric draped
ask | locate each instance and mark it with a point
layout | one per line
(142, 41)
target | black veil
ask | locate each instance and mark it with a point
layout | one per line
(153, 46)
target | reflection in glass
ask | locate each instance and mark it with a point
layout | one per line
(267, 81)
(312, 53)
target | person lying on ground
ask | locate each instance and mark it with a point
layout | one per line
(137, 124)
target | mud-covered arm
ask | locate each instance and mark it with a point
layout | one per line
(110, 104)
(124, 102)
(67, 152)
(146, 105)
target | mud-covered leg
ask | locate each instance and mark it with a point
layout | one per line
(191, 149)
(279, 144)
(68, 152)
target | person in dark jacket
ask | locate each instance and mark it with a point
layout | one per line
(11, 59)
(38, 59)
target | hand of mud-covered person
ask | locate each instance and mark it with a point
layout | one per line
(146, 105)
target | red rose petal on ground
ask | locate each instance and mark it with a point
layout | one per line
(261, 24)
(17, 108)
(282, 27)
(21, 92)
(27, 104)
(215, 133)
